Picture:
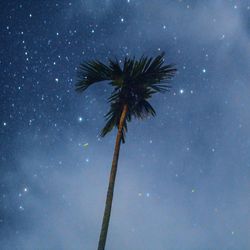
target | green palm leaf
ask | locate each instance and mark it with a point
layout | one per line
(133, 84)
(91, 72)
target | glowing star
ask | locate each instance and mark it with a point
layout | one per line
(25, 189)
(80, 119)
(181, 91)
(204, 71)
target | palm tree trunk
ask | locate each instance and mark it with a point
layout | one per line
(109, 198)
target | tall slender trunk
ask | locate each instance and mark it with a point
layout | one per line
(109, 197)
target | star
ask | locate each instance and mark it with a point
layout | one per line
(21, 208)
(50, 132)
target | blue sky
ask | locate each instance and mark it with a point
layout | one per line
(183, 177)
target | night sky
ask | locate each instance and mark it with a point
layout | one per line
(183, 179)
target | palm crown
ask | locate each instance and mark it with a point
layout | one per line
(134, 83)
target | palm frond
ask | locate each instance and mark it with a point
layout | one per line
(113, 119)
(91, 72)
(117, 73)
(143, 109)
(152, 73)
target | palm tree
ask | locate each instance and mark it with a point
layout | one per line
(133, 84)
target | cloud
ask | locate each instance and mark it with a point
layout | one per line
(166, 197)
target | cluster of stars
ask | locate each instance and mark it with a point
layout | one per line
(146, 194)
(39, 74)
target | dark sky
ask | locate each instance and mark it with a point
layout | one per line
(183, 180)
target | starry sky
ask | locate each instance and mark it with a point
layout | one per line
(183, 176)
